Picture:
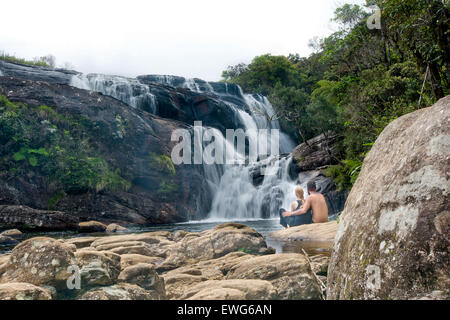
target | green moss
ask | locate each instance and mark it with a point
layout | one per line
(162, 163)
(55, 199)
(167, 188)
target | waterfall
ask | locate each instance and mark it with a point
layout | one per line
(130, 91)
(235, 194)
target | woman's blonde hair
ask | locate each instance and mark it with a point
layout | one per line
(299, 192)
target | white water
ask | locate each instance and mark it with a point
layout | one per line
(130, 91)
(234, 195)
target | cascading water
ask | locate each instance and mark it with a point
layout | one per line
(235, 195)
(130, 91)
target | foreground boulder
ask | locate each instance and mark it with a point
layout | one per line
(393, 237)
(114, 227)
(24, 217)
(179, 280)
(231, 290)
(145, 276)
(97, 268)
(23, 291)
(290, 275)
(312, 232)
(215, 243)
(122, 291)
(40, 261)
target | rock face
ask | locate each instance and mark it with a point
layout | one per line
(316, 152)
(26, 218)
(128, 139)
(393, 236)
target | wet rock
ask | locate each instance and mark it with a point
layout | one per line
(24, 217)
(121, 291)
(114, 227)
(13, 233)
(40, 261)
(290, 275)
(23, 291)
(91, 226)
(393, 236)
(7, 241)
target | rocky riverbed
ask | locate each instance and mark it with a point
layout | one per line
(231, 261)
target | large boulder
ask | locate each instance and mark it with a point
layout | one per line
(40, 261)
(179, 280)
(23, 217)
(393, 236)
(145, 276)
(321, 232)
(23, 291)
(289, 273)
(97, 268)
(121, 291)
(215, 243)
(231, 290)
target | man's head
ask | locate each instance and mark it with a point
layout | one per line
(311, 186)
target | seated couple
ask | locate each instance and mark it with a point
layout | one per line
(312, 210)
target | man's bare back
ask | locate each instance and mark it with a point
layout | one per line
(319, 207)
(317, 203)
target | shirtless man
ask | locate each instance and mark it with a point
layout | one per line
(316, 201)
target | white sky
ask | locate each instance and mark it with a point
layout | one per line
(191, 38)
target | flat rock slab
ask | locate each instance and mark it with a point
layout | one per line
(308, 232)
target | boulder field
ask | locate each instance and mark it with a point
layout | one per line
(230, 261)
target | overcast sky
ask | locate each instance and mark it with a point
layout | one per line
(191, 38)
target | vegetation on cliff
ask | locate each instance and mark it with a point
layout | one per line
(357, 80)
(58, 146)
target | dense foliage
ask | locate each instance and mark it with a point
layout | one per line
(358, 79)
(56, 146)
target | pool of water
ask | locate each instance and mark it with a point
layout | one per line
(263, 226)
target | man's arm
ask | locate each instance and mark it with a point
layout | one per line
(303, 209)
(300, 211)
